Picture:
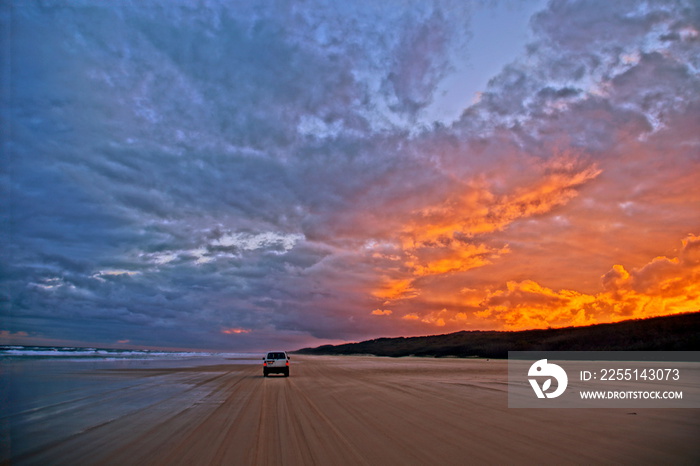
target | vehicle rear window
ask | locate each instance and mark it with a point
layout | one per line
(276, 356)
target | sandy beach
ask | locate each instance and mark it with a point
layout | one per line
(331, 411)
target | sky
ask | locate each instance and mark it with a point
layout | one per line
(274, 175)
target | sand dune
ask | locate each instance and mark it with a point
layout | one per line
(336, 411)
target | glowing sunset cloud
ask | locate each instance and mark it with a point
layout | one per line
(480, 210)
(235, 331)
(255, 174)
(661, 287)
(393, 289)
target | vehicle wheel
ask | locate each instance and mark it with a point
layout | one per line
(286, 373)
(264, 374)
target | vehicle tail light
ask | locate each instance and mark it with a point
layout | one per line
(287, 363)
(264, 364)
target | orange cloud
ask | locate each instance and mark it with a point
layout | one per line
(452, 257)
(528, 304)
(444, 317)
(661, 287)
(381, 312)
(480, 208)
(236, 330)
(440, 239)
(391, 289)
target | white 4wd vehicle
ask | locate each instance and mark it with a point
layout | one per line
(276, 362)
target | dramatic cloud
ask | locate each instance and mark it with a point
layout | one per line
(663, 286)
(201, 174)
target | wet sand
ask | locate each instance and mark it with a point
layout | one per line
(332, 411)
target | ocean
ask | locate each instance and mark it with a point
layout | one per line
(41, 385)
(19, 352)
